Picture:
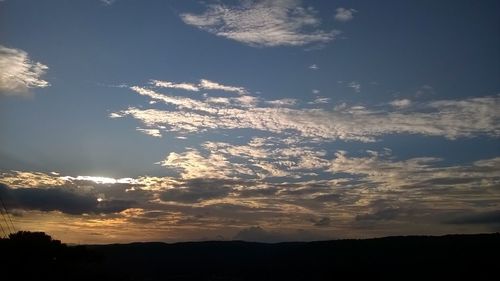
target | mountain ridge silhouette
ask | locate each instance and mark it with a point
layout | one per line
(457, 256)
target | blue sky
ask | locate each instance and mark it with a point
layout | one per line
(304, 119)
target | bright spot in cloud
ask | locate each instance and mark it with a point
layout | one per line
(100, 180)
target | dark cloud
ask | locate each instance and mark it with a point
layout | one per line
(198, 190)
(113, 206)
(322, 222)
(258, 192)
(449, 181)
(328, 198)
(68, 201)
(492, 217)
(384, 214)
(123, 191)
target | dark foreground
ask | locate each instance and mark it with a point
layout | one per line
(452, 257)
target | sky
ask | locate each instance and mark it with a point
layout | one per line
(270, 121)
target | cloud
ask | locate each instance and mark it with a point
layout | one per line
(402, 103)
(30, 179)
(204, 84)
(451, 119)
(59, 199)
(210, 85)
(320, 100)
(183, 86)
(378, 168)
(19, 74)
(344, 15)
(180, 102)
(218, 100)
(254, 149)
(355, 86)
(425, 90)
(384, 214)
(107, 2)
(197, 190)
(54, 179)
(356, 192)
(94, 179)
(490, 217)
(247, 101)
(324, 221)
(265, 23)
(193, 164)
(150, 132)
(283, 102)
(271, 158)
(173, 121)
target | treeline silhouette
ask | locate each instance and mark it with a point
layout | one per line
(36, 256)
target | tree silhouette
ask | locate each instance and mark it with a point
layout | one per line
(33, 238)
(37, 256)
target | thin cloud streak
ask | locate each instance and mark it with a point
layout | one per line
(204, 84)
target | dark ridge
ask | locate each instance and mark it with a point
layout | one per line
(450, 257)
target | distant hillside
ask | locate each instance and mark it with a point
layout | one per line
(451, 257)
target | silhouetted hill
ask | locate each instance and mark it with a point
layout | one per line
(451, 257)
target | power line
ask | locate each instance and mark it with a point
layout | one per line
(8, 215)
(1, 226)
(5, 220)
(7, 226)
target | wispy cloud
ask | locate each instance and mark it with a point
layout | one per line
(150, 132)
(402, 103)
(180, 102)
(423, 181)
(108, 2)
(204, 84)
(313, 67)
(283, 102)
(355, 86)
(263, 23)
(320, 100)
(344, 15)
(19, 74)
(210, 85)
(447, 118)
(183, 86)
